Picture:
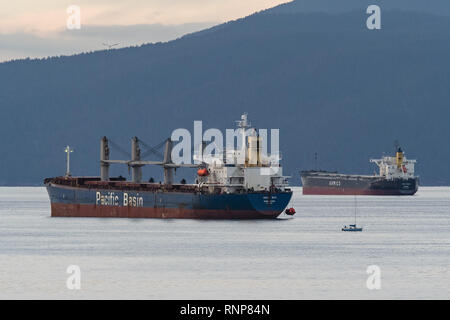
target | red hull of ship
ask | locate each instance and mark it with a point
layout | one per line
(93, 211)
(350, 192)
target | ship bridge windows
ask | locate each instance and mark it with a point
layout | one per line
(236, 180)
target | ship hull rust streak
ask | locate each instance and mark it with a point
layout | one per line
(93, 211)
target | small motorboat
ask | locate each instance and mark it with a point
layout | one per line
(352, 227)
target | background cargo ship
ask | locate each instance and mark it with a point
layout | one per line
(224, 190)
(396, 177)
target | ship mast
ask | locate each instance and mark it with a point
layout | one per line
(68, 150)
(104, 156)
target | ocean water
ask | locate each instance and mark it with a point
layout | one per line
(306, 257)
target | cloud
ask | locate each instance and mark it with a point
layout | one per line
(51, 16)
(29, 30)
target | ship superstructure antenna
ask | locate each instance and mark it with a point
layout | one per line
(396, 146)
(244, 124)
(68, 151)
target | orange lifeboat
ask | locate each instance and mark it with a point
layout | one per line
(203, 172)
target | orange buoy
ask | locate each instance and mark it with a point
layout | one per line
(203, 172)
(290, 211)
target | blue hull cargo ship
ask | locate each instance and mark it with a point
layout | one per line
(84, 197)
(255, 189)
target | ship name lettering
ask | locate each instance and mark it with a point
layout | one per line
(110, 199)
(335, 183)
(132, 201)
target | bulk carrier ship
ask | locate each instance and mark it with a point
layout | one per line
(255, 189)
(396, 177)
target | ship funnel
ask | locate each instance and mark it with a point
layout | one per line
(399, 158)
(254, 151)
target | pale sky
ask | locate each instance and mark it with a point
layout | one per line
(38, 28)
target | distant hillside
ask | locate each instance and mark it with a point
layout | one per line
(328, 83)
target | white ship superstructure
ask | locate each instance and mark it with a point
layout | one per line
(247, 168)
(397, 167)
(396, 178)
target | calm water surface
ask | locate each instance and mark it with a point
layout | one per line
(304, 257)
